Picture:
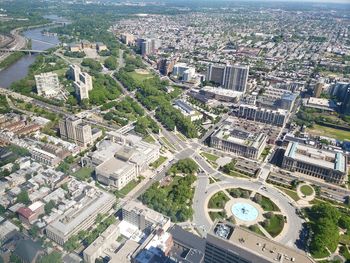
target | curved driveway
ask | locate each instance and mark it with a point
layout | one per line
(204, 191)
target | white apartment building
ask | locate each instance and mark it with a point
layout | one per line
(47, 84)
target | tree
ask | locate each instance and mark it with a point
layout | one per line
(33, 231)
(23, 197)
(111, 63)
(49, 206)
(2, 210)
(344, 222)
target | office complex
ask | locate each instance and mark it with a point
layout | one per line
(238, 141)
(274, 117)
(229, 77)
(82, 82)
(75, 130)
(81, 215)
(324, 164)
(227, 243)
(319, 87)
(122, 158)
(47, 84)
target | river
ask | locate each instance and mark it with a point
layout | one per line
(19, 69)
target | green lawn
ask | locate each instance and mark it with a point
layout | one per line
(329, 132)
(275, 226)
(149, 139)
(126, 189)
(209, 156)
(171, 147)
(306, 190)
(217, 215)
(218, 200)
(139, 77)
(344, 239)
(291, 193)
(256, 229)
(268, 205)
(83, 173)
(158, 162)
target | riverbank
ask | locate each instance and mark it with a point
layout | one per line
(11, 59)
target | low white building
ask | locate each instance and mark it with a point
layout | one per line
(47, 84)
(187, 110)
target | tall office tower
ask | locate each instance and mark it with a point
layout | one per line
(229, 77)
(342, 91)
(47, 84)
(74, 71)
(227, 243)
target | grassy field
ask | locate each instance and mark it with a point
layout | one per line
(218, 200)
(158, 162)
(126, 189)
(217, 215)
(329, 132)
(276, 225)
(209, 156)
(139, 77)
(149, 139)
(268, 205)
(291, 193)
(170, 146)
(306, 190)
(83, 173)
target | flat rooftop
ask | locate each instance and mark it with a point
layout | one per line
(150, 214)
(87, 206)
(228, 132)
(323, 158)
(256, 244)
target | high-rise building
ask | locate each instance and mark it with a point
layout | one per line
(166, 65)
(127, 39)
(149, 46)
(342, 91)
(75, 130)
(229, 77)
(74, 71)
(227, 243)
(82, 82)
(184, 72)
(47, 84)
(318, 89)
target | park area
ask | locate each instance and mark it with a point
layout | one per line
(319, 130)
(140, 75)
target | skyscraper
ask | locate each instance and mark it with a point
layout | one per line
(229, 77)
(82, 82)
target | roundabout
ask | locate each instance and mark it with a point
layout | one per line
(278, 211)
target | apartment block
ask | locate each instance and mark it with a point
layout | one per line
(273, 117)
(233, 77)
(47, 84)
